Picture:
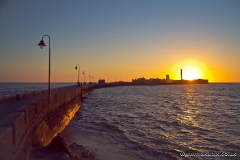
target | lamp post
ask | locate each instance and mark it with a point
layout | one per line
(41, 45)
(84, 76)
(90, 78)
(78, 67)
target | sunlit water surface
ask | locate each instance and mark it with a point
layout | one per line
(160, 122)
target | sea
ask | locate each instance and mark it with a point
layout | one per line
(198, 121)
(8, 89)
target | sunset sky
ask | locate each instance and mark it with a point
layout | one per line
(116, 40)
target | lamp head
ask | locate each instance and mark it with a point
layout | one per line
(76, 67)
(41, 44)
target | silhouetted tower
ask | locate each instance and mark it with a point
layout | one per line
(181, 74)
(167, 77)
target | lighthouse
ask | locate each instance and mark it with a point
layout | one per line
(181, 74)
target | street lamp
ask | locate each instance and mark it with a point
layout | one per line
(41, 45)
(78, 67)
(84, 76)
(90, 78)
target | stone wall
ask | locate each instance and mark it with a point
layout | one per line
(36, 123)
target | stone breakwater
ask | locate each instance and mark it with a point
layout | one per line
(34, 119)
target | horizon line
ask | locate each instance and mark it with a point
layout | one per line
(106, 82)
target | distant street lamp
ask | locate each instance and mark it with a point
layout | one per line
(93, 79)
(78, 67)
(84, 76)
(42, 44)
(90, 78)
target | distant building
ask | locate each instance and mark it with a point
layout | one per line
(147, 81)
(139, 80)
(167, 77)
(156, 81)
(101, 81)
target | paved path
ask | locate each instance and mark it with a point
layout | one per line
(7, 108)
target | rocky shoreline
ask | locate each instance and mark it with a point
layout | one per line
(59, 148)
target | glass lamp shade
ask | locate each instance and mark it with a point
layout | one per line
(41, 44)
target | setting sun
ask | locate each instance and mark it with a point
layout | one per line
(191, 69)
(190, 73)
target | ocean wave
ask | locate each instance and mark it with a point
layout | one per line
(160, 122)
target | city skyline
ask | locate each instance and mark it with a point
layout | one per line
(120, 40)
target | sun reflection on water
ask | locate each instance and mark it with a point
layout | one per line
(168, 119)
(187, 117)
(188, 111)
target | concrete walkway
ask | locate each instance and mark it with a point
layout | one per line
(10, 107)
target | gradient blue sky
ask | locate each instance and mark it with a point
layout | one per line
(120, 39)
